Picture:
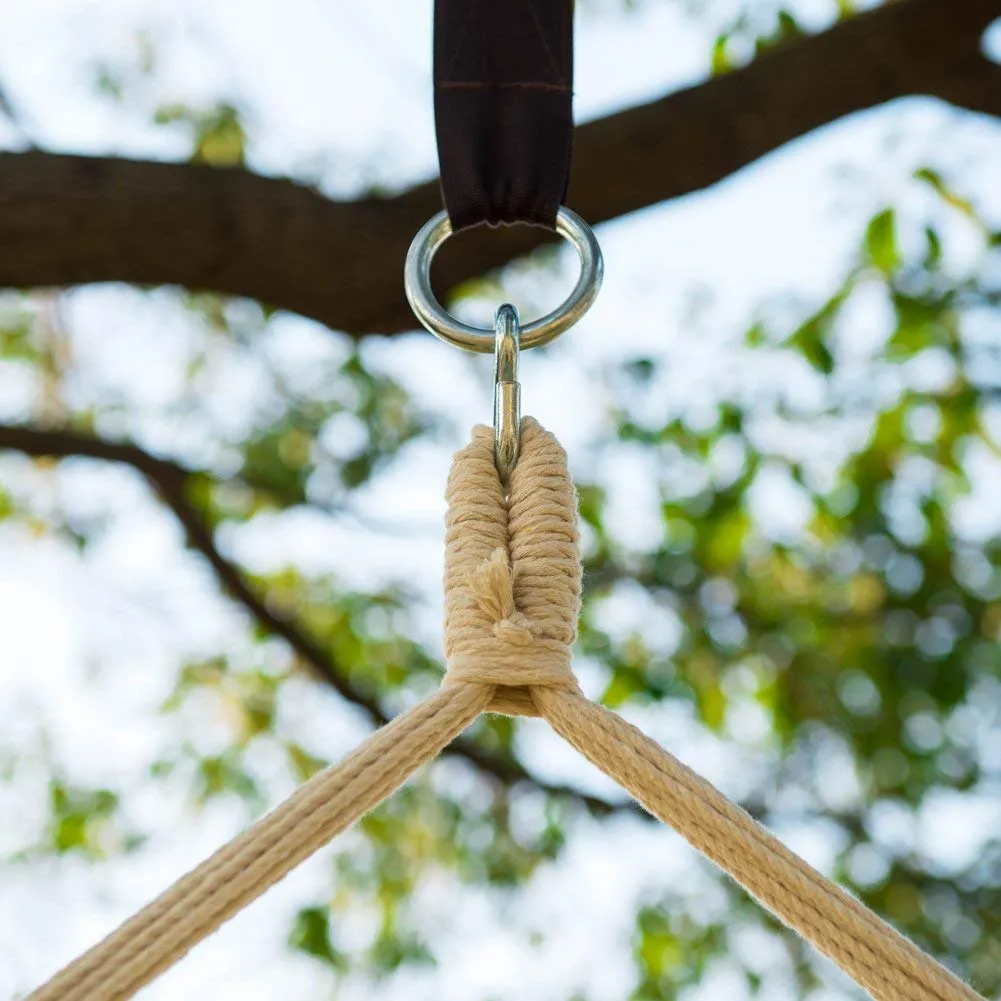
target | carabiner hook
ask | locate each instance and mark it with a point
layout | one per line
(507, 390)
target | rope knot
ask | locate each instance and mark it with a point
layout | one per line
(512, 571)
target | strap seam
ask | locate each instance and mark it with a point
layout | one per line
(489, 85)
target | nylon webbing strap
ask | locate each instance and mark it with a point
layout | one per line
(503, 72)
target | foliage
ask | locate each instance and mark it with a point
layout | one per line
(861, 634)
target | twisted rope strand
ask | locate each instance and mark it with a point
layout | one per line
(166, 929)
(869, 950)
(512, 599)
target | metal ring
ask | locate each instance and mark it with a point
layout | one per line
(441, 323)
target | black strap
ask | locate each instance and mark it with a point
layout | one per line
(503, 71)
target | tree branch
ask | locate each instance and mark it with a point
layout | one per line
(68, 220)
(172, 481)
(974, 84)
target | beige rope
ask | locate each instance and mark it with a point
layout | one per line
(871, 952)
(512, 571)
(484, 613)
(512, 597)
(163, 931)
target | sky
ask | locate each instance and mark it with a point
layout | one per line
(338, 93)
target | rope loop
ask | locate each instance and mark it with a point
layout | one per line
(512, 571)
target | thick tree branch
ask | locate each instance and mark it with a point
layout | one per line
(172, 482)
(974, 84)
(69, 220)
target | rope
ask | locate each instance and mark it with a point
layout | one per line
(512, 571)
(512, 598)
(163, 931)
(871, 952)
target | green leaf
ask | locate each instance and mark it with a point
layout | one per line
(311, 934)
(788, 28)
(720, 61)
(221, 139)
(881, 242)
(641, 369)
(811, 337)
(219, 136)
(933, 253)
(77, 817)
(810, 341)
(393, 949)
(935, 181)
(920, 324)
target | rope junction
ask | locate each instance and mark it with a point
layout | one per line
(512, 598)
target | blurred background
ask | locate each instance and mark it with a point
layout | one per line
(221, 521)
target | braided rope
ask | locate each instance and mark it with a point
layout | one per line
(512, 598)
(194, 907)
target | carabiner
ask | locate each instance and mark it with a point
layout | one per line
(507, 390)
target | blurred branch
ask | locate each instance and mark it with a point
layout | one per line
(68, 220)
(172, 481)
(975, 84)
